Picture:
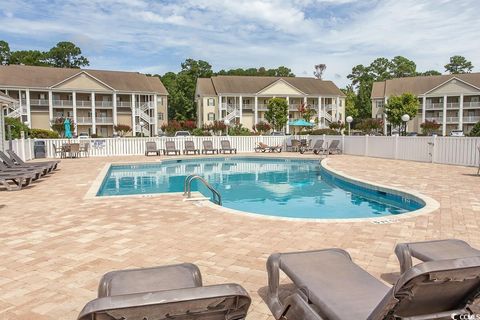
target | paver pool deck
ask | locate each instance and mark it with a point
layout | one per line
(56, 244)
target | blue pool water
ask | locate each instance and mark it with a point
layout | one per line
(276, 187)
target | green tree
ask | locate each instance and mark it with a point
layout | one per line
(276, 113)
(402, 67)
(475, 132)
(16, 126)
(430, 73)
(379, 69)
(397, 106)
(66, 55)
(350, 107)
(4, 52)
(458, 64)
(28, 57)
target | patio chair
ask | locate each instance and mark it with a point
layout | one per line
(333, 147)
(85, 148)
(51, 164)
(58, 150)
(19, 180)
(168, 292)
(190, 147)
(226, 147)
(170, 147)
(329, 285)
(318, 147)
(74, 150)
(262, 147)
(295, 145)
(208, 147)
(433, 250)
(151, 147)
(45, 169)
(37, 172)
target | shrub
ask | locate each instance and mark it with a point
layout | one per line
(370, 125)
(338, 126)
(43, 134)
(174, 126)
(16, 127)
(475, 132)
(319, 132)
(122, 129)
(200, 132)
(262, 127)
(239, 130)
(429, 127)
(217, 127)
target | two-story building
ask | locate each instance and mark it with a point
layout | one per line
(95, 100)
(451, 100)
(244, 99)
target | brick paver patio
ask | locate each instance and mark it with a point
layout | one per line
(55, 244)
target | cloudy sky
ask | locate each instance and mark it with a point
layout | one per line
(156, 36)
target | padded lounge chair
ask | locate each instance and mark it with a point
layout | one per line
(226, 147)
(151, 147)
(52, 164)
(331, 286)
(168, 292)
(262, 147)
(19, 180)
(36, 172)
(170, 147)
(12, 165)
(333, 147)
(190, 147)
(318, 147)
(208, 147)
(433, 250)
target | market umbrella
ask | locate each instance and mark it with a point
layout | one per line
(68, 132)
(300, 123)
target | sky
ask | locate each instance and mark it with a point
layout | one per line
(156, 36)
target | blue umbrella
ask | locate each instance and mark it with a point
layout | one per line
(300, 123)
(68, 132)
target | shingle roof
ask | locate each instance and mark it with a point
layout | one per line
(419, 85)
(251, 85)
(46, 77)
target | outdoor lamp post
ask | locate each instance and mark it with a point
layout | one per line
(141, 126)
(405, 119)
(349, 121)
(226, 122)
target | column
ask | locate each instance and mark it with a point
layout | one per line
(220, 99)
(241, 108)
(319, 111)
(444, 120)
(288, 114)
(94, 125)
(114, 113)
(460, 113)
(256, 110)
(29, 114)
(385, 101)
(424, 110)
(134, 129)
(155, 116)
(74, 103)
(50, 106)
(337, 103)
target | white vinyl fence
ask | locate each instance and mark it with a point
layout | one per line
(447, 150)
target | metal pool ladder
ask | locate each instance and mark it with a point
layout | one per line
(187, 188)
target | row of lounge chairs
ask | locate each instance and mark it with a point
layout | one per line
(328, 285)
(171, 148)
(16, 174)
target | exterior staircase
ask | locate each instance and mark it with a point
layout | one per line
(16, 111)
(232, 113)
(142, 112)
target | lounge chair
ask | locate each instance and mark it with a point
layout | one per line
(170, 147)
(329, 285)
(37, 172)
(19, 180)
(190, 147)
(226, 147)
(44, 169)
(168, 292)
(208, 147)
(318, 147)
(51, 164)
(333, 147)
(151, 147)
(262, 147)
(433, 250)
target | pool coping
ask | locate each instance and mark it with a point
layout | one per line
(430, 204)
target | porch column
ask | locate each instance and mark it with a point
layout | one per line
(444, 120)
(319, 111)
(134, 130)
(114, 113)
(256, 110)
(220, 106)
(94, 124)
(50, 106)
(74, 106)
(424, 110)
(241, 107)
(288, 114)
(460, 113)
(155, 116)
(29, 114)
(337, 102)
(385, 101)
(20, 103)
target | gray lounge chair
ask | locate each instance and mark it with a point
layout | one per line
(208, 147)
(51, 164)
(19, 180)
(168, 292)
(12, 165)
(318, 147)
(433, 250)
(333, 147)
(36, 172)
(190, 147)
(262, 147)
(329, 285)
(151, 147)
(226, 147)
(170, 147)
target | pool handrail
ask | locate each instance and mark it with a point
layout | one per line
(187, 188)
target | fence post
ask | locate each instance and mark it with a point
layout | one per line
(434, 147)
(395, 156)
(343, 143)
(366, 146)
(22, 148)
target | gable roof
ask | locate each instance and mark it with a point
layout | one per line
(251, 85)
(46, 77)
(419, 85)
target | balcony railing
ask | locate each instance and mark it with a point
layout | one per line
(84, 104)
(62, 103)
(84, 120)
(124, 104)
(472, 119)
(99, 120)
(39, 102)
(474, 104)
(104, 104)
(431, 106)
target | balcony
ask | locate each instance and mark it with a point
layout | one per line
(440, 119)
(39, 102)
(104, 120)
(84, 120)
(103, 104)
(471, 119)
(124, 104)
(62, 103)
(84, 104)
(433, 106)
(471, 105)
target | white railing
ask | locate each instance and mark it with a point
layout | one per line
(104, 104)
(108, 120)
(62, 103)
(39, 102)
(446, 150)
(124, 104)
(83, 104)
(473, 119)
(83, 120)
(440, 119)
(474, 104)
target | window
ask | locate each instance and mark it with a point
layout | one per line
(380, 103)
(246, 101)
(160, 116)
(42, 96)
(210, 102)
(160, 100)
(211, 116)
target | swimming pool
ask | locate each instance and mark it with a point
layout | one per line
(268, 186)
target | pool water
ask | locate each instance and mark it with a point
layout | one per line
(275, 187)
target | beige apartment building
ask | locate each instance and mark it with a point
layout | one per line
(450, 100)
(245, 99)
(95, 100)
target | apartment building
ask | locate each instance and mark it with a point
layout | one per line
(244, 99)
(450, 100)
(95, 100)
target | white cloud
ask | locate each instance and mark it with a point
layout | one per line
(154, 35)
